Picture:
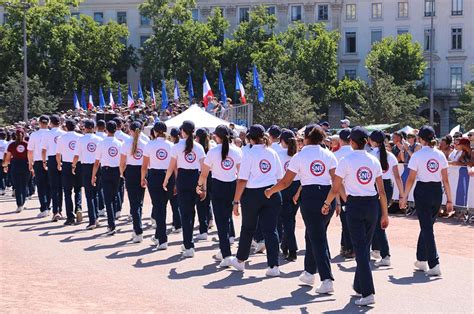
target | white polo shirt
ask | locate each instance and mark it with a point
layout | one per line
(359, 171)
(428, 163)
(190, 160)
(276, 147)
(261, 167)
(144, 137)
(343, 151)
(312, 164)
(285, 161)
(86, 148)
(159, 152)
(66, 145)
(245, 149)
(108, 152)
(135, 159)
(101, 134)
(223, 170)
(392, 162)
(121, 136)
(34, 143)
(50, 140)
(3, 148)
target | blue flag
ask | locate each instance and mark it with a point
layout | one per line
(152, 96)
(164, 96)
(190, 89)
(222, 91)
(119, 97)
(257, 85)
(101, 98)
(140, 92)
(83, 99)
(77, 106)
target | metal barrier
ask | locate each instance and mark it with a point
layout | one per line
(241, 115)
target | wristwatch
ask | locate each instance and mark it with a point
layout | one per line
(235, 203)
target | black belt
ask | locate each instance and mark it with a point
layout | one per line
(362, 198)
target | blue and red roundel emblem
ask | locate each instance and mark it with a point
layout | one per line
(190, 157)
(138, 154)
(265, 166)
(227, 163)
(161, 154)
(317, 168)
(432, 165)
(112, 151)
(20, 148)
(72, 145)
(364, 175)
(91, 147)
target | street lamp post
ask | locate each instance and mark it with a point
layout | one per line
(431, 65)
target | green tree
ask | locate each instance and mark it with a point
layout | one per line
(465, 111)
(39, 98)
(348, 93)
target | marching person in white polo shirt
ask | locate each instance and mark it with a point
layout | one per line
(361, 173)
(122, 137)
(108, 157)
(430, 168)
(71, 177)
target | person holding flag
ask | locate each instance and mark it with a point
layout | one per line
(176, 94)
(240, 86)
(130, 101)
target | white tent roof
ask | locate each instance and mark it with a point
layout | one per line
(407, 129)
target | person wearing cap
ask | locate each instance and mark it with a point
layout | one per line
(390, 173)
(345, 123)
(174, 138)
(35, 161)
(344, 150)
(259, 170)
(429, 168)
(289, 247)
(156, 160)
(48, 154)
(122, 137)
(222, 162)
(315, 167)
(131, 161)
(108, 158)
(17, 156)
(3, 151)
(274, 132)
(186, 158)
(325, 125)
(85, 151)
(362, 176)
(410, 147)
(71, 176)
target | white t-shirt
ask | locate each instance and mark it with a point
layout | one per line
(276, 147)
(3, 148)
(359, 171)
(261, 167)
(312, 164)
(108, 152)
(34, 143)
(455, 155)
(50, 139)
(428, 163)
(245, 149)
(144, 137)
(86, 148)
(101, 134)
(190, 160)
(223, 170)
(343, 152)
(159, 152)
(121, 136)
(126, 150)
(392, 162)
(66, 145)
(285, 161)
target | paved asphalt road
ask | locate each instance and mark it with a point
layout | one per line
(47, 267)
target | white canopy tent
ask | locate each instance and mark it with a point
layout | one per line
(407, 129)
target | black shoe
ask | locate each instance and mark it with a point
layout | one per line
(291, 256)
(70, 222)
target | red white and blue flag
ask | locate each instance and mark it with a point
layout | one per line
(206, 90)
(90, 102)
(240, 87)
(130, 101)
(152, 96)
(77, 105)
(111, 99)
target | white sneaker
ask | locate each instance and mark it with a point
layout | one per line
(183, 248)
(188, 253)
(231, 240)
(435, 271)
(253, 245)
(211, 224)
(118, 214)
(375, 255)
(423, 266)
(325, 287)
(201, 237)
(218, 256)
(153, 223)
(175, 230)
(383, 262)
(273, 271)
(162, 246)
(102, 213)
(306, 278)
(137, 238)
(110, 232)
(226, 262)
(260, 248)
(365, 301)
(155, 241)
(19, 209)
(43, 214)
(234, 262)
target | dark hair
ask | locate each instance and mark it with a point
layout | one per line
(383, 154)
(223, 132)
(448, 139)
(203, 138)
(288, 137)
(360, 142)
(19, 136)
(189, 141)
(316, 136)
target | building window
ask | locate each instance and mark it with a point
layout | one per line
(402, 10)
(426, 78)
(296, 13)
(351, 42)
(456, 38)
(143, 39)
(375, 36)
(456, 77)
(99, 17)
(75, 15)
(323, 12)
(376, 10)
(429, 39)
(122, 17)
(195, 14)
(350, 73)
(350, 11)
(271, 10)
(430, 8)
(402, 31)
(457, 6)
(144, 20)
(244, 14)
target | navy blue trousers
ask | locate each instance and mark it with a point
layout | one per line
(55, 185)
(186, 183)
(110, 177)
(380, 241)
(20, 175)
(222, 197)
(92, 195)
(159, 200)
(135, 195)
(41, 179)
(287, 215)
(72, 182)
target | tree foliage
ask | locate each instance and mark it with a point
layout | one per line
(465, 111)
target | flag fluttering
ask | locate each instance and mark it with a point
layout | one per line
(190, 89)
(240, 87)
(101, 98)
(222, 90)
(140, 92)
(130, 101)
(164, 96)
(111, 99)
(77, 105)
(83, 99)
(152, 96)
(90, 103)
(176, 94)
(206, 90)
(257, 85)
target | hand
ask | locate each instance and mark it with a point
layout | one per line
(268, 193)
(236, 210)
(449, 207)
(165, 185)
(384, 222)
(30, 167)
(296, 197)
(60, 168)
(5, 169)
(144, 183)
(74, 169)
(45, 166)
(175, 190)
(202, 195)
(338, 209)
(325, 209)
(402, 202)
(93, 180)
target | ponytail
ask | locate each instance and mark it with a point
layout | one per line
(136, 135)
(383, 156)
(225, 147)
(292, 147)
(189, 144)
(432, 143)
(19, 137)
(266, 140)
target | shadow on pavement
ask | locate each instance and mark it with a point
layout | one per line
(170, 260)
(206, 270)
(147, 250)
(351, 308)
(418, 277)
(234, 279)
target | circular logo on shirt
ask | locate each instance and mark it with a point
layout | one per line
(285, 166)
(56, 139)
(432, 165)
(190, 157)
(91, 147)
(161, 154)
(72, 145)
(112, 151)
(364, 175)
(20, 148)
(227, 163)
(317, 168)
(138, 154)
(265, 166)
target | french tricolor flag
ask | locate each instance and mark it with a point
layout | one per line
(90, 103)
(77, 105)
(111, 99)
(130, 101)
(206, 90)
(240, 87)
